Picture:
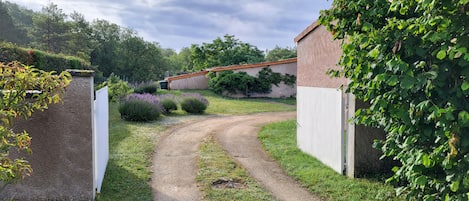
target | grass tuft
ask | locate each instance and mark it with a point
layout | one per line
(279, 139)
(215, 165)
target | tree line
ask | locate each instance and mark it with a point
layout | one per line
(115, 49)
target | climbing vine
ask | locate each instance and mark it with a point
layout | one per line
(410, 61)
(23, 90)
(241, 82)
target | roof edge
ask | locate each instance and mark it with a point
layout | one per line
(188, 75)
(308, 30)
(256, 65)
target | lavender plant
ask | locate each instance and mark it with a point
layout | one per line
(140, 107)
(194, 103)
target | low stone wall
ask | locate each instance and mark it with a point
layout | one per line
(62, 145)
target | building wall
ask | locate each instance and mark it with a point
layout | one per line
(319, 100)
(62, 158)
(317, 53)
(280, 91)
(196, 82)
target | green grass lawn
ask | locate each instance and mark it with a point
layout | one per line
(232, 106)
(131, 144)
(215, 165)
(130, 149)
(279, 139)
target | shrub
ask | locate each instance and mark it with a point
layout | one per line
(169, 103)
(411, 65)
(140, 107)
(241, 82)
(16, 80)
(117, 87)
(194, 103)
(149, 88)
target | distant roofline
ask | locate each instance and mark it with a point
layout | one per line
(256, 65)
(232, 67)
(188, 75)
(307, 31)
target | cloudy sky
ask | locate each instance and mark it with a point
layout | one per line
(180, 23)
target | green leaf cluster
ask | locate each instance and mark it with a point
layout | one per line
(23, 90)
(241, 82)
(117, 88)
(409, 60)
(223, 52)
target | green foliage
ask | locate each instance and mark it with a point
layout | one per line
(215, 165)
(169, 105)
(279, 140)
(409, 60)
(42, 60)
(193, 103)
(50, 29)
(147, 88)
(117, 88)
(16, 102)
(223, 52)
(279, 53)
(138, 110)
(241, 82)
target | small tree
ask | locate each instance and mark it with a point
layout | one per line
(23, 90)
(410, 61)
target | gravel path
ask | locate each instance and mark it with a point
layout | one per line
(174, 163)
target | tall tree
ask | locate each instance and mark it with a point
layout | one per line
(222, 52)
(50, 29)
(107, 36)
(279, 53)
(8, 31)
(23, 21)
(81, 41)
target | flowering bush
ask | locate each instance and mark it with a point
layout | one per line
(149, 88)
(140, 107)
(169, 103)
(194, 103)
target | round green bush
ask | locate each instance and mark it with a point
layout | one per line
(193, 105)
(169, 105)
(146, 89)
(138, 110)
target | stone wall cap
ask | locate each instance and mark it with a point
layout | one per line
(81, 73)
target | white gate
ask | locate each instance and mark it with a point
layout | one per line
(101, 136)
(320, 131)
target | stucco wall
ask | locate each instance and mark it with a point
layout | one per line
(196, 82)
(280, 91)
(317, 53)
(62, 158)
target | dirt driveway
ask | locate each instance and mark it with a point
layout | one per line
(174, 163)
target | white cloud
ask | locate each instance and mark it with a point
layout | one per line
(180, 23)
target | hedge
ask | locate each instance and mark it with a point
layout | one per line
(40, 59)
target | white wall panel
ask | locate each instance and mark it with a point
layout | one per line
(320, 127)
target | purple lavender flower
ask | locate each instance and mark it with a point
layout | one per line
(147, 98)
(196, 96)
(167, 96)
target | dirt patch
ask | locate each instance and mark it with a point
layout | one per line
(228, 183)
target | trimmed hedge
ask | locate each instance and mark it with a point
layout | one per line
(40, 59)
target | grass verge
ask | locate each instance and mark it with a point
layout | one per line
(216, 167)
(279, 139)
(128, 171)
(232, 106)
